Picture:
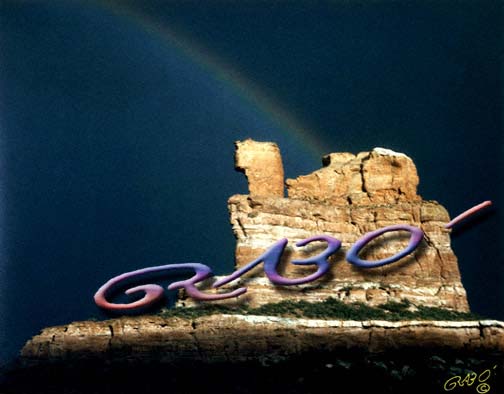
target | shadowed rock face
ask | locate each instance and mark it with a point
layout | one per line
(350, 196)
(244, 338)
(257, 354)
(180, 355)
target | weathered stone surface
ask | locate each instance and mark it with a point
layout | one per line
(262, 164)
(350, 196)
(379, 177)
(238, 338)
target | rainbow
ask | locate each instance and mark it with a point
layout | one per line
(225, 73)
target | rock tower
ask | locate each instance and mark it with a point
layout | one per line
(350, 196)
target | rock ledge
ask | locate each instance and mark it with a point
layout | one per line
(245, 338)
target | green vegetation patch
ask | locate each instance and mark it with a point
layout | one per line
(331, 308)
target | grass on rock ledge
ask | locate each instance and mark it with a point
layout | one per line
(331, 308)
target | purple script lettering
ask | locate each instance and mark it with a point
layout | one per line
(353, 254)
(271, 259)
(154, 293)
(272, 256)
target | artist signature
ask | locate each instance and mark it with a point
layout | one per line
(470, 379)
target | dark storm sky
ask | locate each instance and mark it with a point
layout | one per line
(117, 148)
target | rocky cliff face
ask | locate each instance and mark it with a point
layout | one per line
(350, 196)
(241, 338)
(259, 354)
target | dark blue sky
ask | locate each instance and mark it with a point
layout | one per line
(117, 147)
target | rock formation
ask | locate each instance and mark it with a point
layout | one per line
(262, 164)
(245, 353)
(240, 338)
(350, 196)
(257, 354)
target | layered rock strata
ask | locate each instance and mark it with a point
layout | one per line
(241, 338)
(350, 196)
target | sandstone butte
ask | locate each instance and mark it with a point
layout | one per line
(349, 196)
